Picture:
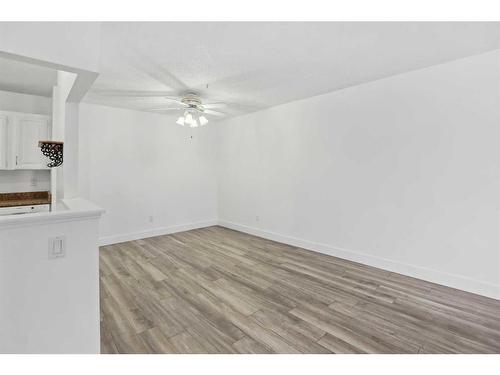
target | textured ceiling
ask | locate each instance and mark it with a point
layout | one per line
(258, 65)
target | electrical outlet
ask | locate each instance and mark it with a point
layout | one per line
(33, 181)
(57, 247)
(257, 218)
(151, 219)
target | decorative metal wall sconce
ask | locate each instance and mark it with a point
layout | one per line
(53, 151)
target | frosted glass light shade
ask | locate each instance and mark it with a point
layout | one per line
(192, 119)
(203, 120)
(194, 123)
(180, 121)
(188, 118)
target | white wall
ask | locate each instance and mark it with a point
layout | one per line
(60, 92)
(12, 101)
(401, 173)
(140, 166)
(71, 151)
(49, 305)
(24, 180)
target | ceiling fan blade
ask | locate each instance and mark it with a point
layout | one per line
(173, 98)
(143, 63)
(214, 105)
(214, 113)
(135, 93)
(245, 107)
(165, 109)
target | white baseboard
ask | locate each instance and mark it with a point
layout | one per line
(109, 240)
(438, 277)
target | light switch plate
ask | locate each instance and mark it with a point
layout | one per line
(57, 247)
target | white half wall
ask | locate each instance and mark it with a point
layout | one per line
(147, 172)
(49, 305)
(400, 173)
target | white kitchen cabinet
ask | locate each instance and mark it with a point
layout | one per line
(19, 136)
(30, 130)
(3, 141)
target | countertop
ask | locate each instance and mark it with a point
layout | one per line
(24, 199)
(64, 210)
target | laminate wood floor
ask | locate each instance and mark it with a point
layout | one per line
(216, 290)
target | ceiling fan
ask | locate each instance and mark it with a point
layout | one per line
(194, 111)
(195, 105)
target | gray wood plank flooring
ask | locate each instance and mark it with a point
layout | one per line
(215, 290)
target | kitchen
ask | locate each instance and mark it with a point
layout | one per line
(48, 235)
(25, 119)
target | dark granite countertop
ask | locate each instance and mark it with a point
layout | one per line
(24, 199)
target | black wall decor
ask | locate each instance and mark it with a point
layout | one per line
(52, 150)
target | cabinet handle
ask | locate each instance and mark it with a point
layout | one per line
(16, 158)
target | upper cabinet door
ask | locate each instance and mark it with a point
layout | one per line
(3, 141)
(30, 130)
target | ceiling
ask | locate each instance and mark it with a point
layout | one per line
(26, 78)
(261, 64)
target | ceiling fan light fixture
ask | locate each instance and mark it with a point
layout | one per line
(188, 118)
(194, 123)
(203, 120)
(181, 121)
(192, 109)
